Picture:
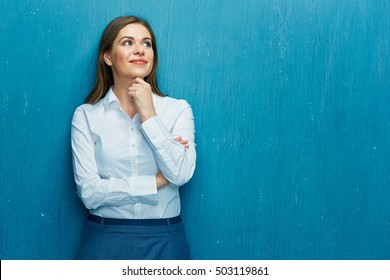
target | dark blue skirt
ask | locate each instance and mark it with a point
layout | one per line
(117, 239)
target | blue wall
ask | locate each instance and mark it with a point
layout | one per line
(291, 100)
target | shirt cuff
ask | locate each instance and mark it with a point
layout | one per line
(142, 189)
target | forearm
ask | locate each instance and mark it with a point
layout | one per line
(175, 160)
(96, 192)
(161, 181)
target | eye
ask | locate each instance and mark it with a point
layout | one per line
(147, 44)
(127, 43)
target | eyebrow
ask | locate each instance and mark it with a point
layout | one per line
(132, 38)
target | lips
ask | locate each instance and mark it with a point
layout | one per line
(138, 61)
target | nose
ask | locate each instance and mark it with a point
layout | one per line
(138, 49)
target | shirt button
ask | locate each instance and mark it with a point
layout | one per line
(132, 146)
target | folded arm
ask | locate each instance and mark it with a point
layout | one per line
(96, 191)
(174, 150)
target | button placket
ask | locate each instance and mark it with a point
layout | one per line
(133, 151)
(137, 211)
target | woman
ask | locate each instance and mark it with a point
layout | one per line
(132, 149)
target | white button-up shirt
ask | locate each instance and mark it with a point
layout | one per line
(116, 158)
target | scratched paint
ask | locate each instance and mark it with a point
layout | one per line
(291, 103)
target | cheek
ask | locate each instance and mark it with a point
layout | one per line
(120, 56)
(150, 68)
(150, 55)
(151, 64)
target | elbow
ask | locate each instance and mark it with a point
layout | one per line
(88, 200)
(91, 200)
(183, 176)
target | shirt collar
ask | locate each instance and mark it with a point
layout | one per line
(109, 98)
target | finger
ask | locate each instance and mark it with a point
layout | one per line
(185, 143)
(139, 81)
(132, 93)
(135, 87)
(133, 90)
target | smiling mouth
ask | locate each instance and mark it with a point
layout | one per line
(138, 61)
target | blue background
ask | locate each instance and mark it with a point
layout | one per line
(291, 100)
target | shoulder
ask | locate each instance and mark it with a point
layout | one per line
(170, 110)
(170, 103)
(90, 107)
(86, 109)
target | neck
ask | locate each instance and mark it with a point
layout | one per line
(121, 91)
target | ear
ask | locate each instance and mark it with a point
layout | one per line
(107, 58)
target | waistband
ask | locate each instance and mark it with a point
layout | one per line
(134, 222)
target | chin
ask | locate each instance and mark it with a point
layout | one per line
(139, 75)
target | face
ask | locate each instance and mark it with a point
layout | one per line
(132, 54)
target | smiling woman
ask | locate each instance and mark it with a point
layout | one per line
(132, 55)
(132, 150)
(104, 72)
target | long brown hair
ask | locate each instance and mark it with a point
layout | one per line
(104, 77)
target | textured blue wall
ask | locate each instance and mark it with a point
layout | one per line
(291, 100)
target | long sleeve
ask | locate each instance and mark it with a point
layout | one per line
(94, 190)
(176, 163)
